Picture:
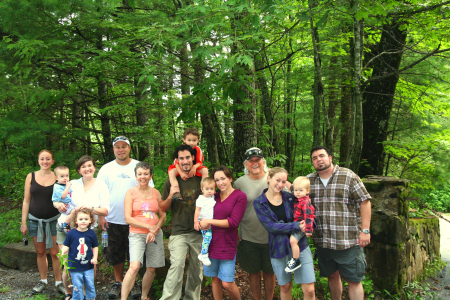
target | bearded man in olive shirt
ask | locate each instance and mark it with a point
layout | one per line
(253, 250)
(183, 236)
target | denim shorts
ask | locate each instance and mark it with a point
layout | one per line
(224, 269)
(78, 279)
(304, 274)
(33, 227)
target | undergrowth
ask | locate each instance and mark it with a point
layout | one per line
(10, 227)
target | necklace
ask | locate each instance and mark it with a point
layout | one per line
(277, 199)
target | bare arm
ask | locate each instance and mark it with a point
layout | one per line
(94, 255)
(26, 205)
(162, 214)
(151, 236)
(196, 215)
(65, 250)
(165, 205)
(194, 169)
(70, 216)
(366, 214)
(61, 207)
(66, 190)
(206, 223)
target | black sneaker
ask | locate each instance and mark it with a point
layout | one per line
(114, 291)
(136, 291)
(177, 198)
(292, 265)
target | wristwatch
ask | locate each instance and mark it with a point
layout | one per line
(366, 231)
(92, 208)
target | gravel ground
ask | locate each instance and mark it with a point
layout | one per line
(20, 285)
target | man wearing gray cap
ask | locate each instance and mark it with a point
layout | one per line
(253, 249)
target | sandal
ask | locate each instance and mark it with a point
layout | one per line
(67, 297)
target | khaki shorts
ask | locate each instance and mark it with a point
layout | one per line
(350, 262)
(254, 257)
(154, 251)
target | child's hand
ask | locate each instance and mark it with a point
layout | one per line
(197, 226)
(193, 171)
(94, 261)
(68, 184)
(184, 176)
(308, 234)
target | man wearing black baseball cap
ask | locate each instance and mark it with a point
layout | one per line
(253, 249)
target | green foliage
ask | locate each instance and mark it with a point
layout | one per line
(4, 288)
(438, 200)
(208, 280)
(10, 227)
(157, 287)
(297, 292)
(419, 289)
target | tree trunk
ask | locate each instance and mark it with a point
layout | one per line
(318, 92)
(379, 96)
(333, 100)
(266, 103)
(288, 120)
(244, 102)
(141, 119)
(357, 95)
(345, 118)
(76, 124)
(209, 131)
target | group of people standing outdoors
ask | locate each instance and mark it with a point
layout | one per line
(254, 220)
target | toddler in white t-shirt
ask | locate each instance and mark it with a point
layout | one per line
(205, 210)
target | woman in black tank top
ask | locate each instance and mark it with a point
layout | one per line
(37, 205)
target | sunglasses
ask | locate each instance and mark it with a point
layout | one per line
(253, 152)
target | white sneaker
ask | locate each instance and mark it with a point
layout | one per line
(204, 259)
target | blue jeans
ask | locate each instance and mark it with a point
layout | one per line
(78, 279)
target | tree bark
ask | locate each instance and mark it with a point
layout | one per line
(318, 93)
(333, 100)
(244, 102)
(345, 118)
(266, 103)
(357, 95)
(209, 131)
(141, 119)
(288, 144)
(379, 96)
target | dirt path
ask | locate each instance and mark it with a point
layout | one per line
(441, 284)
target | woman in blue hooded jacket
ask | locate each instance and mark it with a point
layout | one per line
(274, 209)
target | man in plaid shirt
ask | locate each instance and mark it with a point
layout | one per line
(343, 214)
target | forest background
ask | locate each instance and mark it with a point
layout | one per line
(368, 79)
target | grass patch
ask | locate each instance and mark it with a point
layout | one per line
(10, 227)
(4, 289)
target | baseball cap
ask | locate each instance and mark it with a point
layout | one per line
(121, 139)
(253, 152)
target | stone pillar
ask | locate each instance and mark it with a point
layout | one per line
(400, 247)
(385, 255)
